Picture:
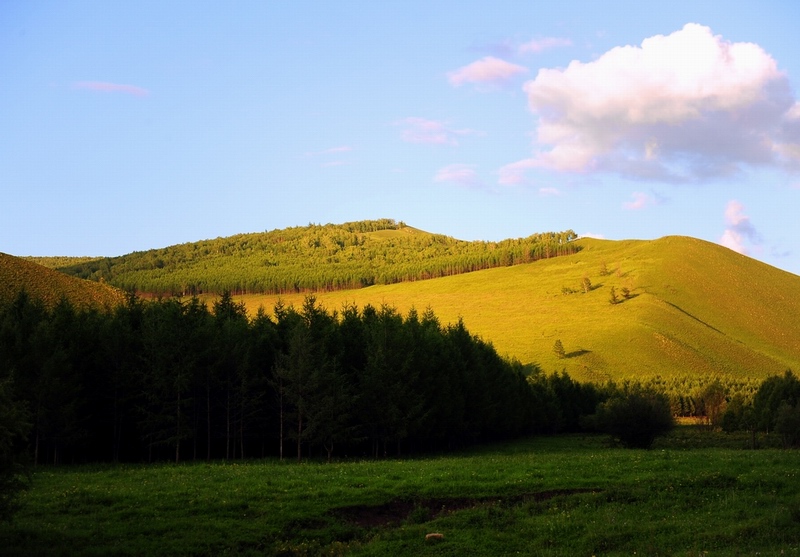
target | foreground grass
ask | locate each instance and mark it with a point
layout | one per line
(569, 495)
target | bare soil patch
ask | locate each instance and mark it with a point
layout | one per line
(401, 510)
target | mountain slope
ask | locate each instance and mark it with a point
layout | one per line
(695, 309)
(50, 286)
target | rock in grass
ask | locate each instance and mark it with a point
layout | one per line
(434, 537)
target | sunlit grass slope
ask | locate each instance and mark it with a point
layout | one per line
(695, 309)
(50, 286)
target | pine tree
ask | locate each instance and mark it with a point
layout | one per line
(558, 349)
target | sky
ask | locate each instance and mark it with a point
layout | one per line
(126, 126)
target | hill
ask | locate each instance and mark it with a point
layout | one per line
(50, 286)
(313, 257)
(695, 309)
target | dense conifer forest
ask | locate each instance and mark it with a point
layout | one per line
(158, 380)
(314, 258)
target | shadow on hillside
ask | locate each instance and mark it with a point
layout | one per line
(577, 353)
(628, 298)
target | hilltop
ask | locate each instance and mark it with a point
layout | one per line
(695, 309)
(314, 258)
(51, 286)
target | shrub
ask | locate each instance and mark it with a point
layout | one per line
(635, 416)
(787, 424)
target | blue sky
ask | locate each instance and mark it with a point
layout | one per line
(136, 125)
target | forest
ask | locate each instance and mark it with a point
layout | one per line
(176, 380)
(314, 258)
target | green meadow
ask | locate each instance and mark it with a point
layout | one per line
(695, 309)
(695, 493)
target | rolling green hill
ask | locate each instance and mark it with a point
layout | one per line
(313, 257)
(695, 309)
(50, 286)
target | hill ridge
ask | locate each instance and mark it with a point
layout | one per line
(50, 286)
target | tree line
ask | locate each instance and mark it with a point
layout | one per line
(175, 379)
(314, 258)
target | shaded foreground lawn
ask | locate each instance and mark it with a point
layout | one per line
(571, 495)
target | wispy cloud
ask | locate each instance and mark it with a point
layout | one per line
(549, 192)
(640, 201)
(539, 45)
(488, 70)
(106, 87)
(330, 151)
(513, 174)
(462, 174)
(685, 107)
(740, 231)
(422, 130)
(328, 156)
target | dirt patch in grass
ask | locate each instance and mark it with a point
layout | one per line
(420, 510)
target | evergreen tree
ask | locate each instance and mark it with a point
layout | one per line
(558, 349)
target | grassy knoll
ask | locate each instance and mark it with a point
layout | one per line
(695, 309)
(547, 496)
(50, 286)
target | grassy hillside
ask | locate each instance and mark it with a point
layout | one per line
(49, 285)
(695, 309)
(58, 262)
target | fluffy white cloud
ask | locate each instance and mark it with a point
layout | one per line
(486, 70)
(681, 107)
(739, 229)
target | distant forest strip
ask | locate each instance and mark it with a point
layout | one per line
(314, 258)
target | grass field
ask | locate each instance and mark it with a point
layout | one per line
(696, 309)
(695, 493)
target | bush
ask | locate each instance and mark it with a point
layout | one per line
(787, 424)
(635, 417)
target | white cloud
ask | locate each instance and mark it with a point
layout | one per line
(330, 151)
(549, 192)
(513, 174)
(640, 201)
(463, 174)
(682, 107)
(740, 231)
(107, 87)
(422, 130)
(539, 45)
(488, 69)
